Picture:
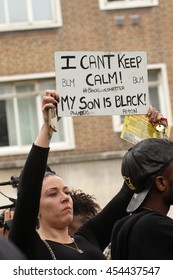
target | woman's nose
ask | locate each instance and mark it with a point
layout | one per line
(65, 197)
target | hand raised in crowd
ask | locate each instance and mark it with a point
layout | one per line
(49, 101)
(156, 117)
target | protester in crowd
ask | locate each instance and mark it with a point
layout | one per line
(84, 208)
(47, 197)
(148, 232)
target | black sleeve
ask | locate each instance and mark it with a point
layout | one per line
(27, 206)
(99, 228)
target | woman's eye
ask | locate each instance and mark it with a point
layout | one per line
(52, 194)
(68, 193)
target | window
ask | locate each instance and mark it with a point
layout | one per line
(29, 14)
(21, 116)
(158, 91)
(126, 4)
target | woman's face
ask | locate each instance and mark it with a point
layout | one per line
(56, 206)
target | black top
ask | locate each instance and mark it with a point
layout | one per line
(147, 235)
(93, 236)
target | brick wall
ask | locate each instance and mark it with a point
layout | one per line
(85, 27)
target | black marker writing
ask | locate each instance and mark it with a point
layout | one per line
(96, 62)
(126, 62)
(69, 101)
(93, 80)
(95, 103)
(135, 100)
(67, 62)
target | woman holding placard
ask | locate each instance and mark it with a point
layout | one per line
(44, 199)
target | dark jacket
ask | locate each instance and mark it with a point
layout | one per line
(146, 235)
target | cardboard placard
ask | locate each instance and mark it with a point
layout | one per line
(101, 83)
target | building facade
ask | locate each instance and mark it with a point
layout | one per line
(87, 151)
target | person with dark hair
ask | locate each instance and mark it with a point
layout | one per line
(84, 208)
(48, 199)
(147, 233)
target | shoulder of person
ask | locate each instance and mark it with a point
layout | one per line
(8, 251)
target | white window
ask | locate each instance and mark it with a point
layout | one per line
(29, 14)
(159, 94)
(21, 116)
(126, 4)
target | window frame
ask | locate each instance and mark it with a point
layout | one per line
(69, 141)
(127, 4)
(165, 103)
(30, 24)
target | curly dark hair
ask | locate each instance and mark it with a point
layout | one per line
(84, 203)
